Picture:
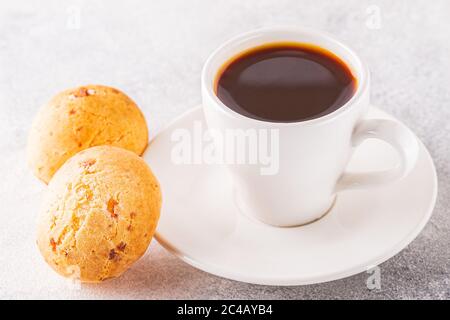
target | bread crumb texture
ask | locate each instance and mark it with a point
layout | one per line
(99, 214)
(80, 118)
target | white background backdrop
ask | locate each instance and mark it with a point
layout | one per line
(154, 51)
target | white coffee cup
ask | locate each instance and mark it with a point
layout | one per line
(313, 154)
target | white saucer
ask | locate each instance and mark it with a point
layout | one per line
(201, 224)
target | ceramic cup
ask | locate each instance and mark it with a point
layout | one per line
(312, 155)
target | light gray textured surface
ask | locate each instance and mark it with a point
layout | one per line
(154, 51)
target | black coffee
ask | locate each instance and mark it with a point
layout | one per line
(285, 82)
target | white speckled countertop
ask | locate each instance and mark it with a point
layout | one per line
(154, 51)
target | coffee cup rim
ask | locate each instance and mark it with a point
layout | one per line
(360, 67)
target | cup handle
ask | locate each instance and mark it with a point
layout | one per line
(394, 133)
